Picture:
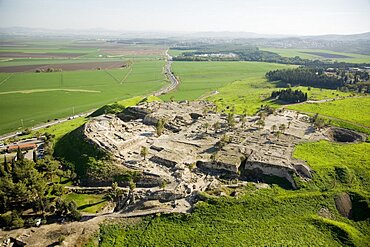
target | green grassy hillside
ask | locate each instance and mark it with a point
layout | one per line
(355, 110)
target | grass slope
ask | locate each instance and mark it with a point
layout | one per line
(271, 217)
(356, 110)
(337, 166)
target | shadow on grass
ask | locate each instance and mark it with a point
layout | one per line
(90, 205)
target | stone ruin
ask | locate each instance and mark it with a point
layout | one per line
(194, 153)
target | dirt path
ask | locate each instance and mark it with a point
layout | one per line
(112, 76)
(3, 81)
(326, 116)
(207, 95)
(338, 119)
(127, 75)
(50, 90)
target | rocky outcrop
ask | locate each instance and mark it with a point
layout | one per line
(133, 113)
(272, 169)
(343, 204)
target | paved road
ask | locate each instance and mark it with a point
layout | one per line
(44, 125)
(173, 80)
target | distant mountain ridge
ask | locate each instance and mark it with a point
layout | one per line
(163, 34)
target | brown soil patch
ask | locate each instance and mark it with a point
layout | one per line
(38, 55)
(343, 204)
(126, 52)
(64, 67)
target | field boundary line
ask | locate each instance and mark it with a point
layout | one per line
(3, 81)
(128, 73)
(113, 77)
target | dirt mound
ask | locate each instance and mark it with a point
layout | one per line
(344, 135)
(343, 204)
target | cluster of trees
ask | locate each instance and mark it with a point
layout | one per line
(223, 54)
(48, 70)
(290, 96)
(305, 77)
(25, 185)
(251, 53)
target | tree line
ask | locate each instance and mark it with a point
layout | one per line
(305, 77)
(289, 96)
(33, 186)
(250, 53)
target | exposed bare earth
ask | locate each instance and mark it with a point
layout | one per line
(38, 55)
(64, 67)
(129, 52)
(49, 90)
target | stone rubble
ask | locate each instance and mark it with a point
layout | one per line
(191, 154)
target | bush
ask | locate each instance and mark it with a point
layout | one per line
(6, 219)
(76, 215)
(26, 131)
(17, 222)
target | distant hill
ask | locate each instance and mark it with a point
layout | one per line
(349, 37)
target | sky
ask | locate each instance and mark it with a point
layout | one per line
(302, 17)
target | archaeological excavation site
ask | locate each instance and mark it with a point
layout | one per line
(185, 148)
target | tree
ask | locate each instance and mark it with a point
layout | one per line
(214, 156)
(216, 126)
(160, 127)
(289, 95)
(231, 120)
(319, 123)
(7, 165)
(34, 156)
(132, 185)
(273, 128)
(144, 152)
(260, 123)
(243, 120)
(206, 125)
(20, 155)
(282, 128)
(277, 134)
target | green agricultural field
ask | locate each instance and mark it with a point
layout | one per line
(32, 98)
(356, 110)
(201, 78)
(37, 61)
(321, 54)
